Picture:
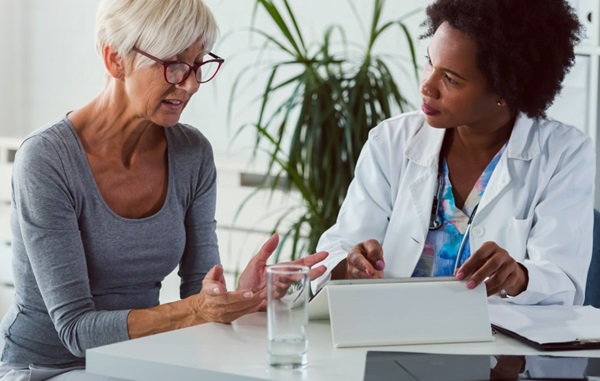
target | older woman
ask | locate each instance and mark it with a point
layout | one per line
(110, 198)
(478, 184)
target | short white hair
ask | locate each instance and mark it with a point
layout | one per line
(163, 28)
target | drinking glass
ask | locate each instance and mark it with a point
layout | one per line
(287, 315)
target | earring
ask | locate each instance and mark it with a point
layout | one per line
(119, 75)
(499, 102)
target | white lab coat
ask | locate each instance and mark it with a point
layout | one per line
(538, 204)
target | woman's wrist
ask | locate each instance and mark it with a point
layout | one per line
(165, 317)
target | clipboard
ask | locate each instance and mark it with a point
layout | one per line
(556, 346)
(402, 311)
(549, 328)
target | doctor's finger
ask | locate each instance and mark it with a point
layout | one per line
(359, 266)
(478, 259)
(356, 273)
(497, 281)
(489, 268)
(374, 253)
(499, 285)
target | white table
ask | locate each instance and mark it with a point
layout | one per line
(238, 352)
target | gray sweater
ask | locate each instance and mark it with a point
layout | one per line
(79, 268)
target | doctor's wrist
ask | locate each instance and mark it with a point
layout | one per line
(521, 283)
(340, 271)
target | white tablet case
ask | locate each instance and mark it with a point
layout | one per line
(403, 312)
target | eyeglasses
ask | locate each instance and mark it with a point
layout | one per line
(176, 72)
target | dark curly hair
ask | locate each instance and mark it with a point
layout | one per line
(524, 47)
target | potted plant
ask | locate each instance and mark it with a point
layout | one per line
(314, 122)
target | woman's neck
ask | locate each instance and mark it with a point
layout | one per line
(106, 130)
(477, 144)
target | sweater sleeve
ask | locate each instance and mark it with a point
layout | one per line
(201, 249)
(44, 208)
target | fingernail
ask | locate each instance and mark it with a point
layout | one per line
(380, 265)
(368, 272)
(248, 295)
(216, 291)
(460, 276)
(470, 284)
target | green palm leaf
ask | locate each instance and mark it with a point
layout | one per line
(313, 123)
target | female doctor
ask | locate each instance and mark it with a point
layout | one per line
(479, 184)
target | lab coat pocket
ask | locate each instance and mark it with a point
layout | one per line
(518, 233)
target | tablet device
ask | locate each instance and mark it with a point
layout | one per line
(402, 311)
(391, 280)
(318, 308)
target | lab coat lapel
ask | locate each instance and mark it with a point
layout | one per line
(423, 151)
(522, 145)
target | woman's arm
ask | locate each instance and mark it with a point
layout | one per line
(212, 304)
(49, 247)
(48, 230)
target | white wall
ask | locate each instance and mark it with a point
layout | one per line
(313, 16)
(49, 66)
(54, 67)
(8, 89)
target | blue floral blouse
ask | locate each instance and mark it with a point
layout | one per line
(441, 246)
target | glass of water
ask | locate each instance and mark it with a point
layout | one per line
(287, 312)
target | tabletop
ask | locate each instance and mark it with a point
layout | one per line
(237, 351)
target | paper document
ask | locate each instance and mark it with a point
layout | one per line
(547, 325)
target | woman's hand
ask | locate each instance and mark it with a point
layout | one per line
(504, 275)
(365, 260)
(212, 304)
(254, 276)
(215, 304)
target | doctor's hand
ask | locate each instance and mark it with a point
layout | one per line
(504, 275)
(365, 260)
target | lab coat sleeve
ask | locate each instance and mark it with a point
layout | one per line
(365, 211)
(559, 244)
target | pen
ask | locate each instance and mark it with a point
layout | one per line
(464, 239)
